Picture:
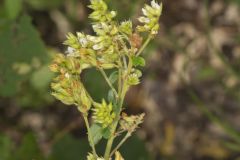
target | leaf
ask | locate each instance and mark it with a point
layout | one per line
(138, 61)
(13, 8)
(111, 96)
(20, 44)
(69, 148)
(96, 132)
(5, 147)
(41, 78)
(106, 132)
(98, 90)
(137, 147)
(29, 149)
(44, 4)
(113, 77)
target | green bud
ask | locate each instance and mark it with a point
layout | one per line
(126, 27)
(103, 114)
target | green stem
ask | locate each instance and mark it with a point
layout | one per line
(110, 142)
(108, 81)
(90, 135)
(121, 143)
(144, 45)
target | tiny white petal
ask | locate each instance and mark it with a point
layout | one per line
(70, 52)
(97, 26)
(144, 12)
(144, 20)
(67, 75)
(155, 5)
(113, 13)
(91, 38)
(83, 42)
(97, 47)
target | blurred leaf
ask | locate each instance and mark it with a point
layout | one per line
(138, 61)
(113, 77)
(69, 148)
(42, 78)
(124, 8)
(98, 90)
(111, 96)
(96, 131)
(236, 1)
(5, 147)
(44, 4)
(28, 149)
(106, 132)
(13, 8)
(134, 148)
(20, 44)
(206, 72)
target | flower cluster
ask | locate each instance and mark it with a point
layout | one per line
(150, 18)
(67, 86)
(103, 114)
(116, 46)
(100, 11)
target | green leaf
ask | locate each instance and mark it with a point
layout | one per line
(138, 61)
(44, 4)
(96, 132)
(137, 147)
(113, 77)
(29, 149)
(106, 132)
(42, 78)
(98, 91)
(5, 147)
(13, 8)
(20, 44)
(111, 96)
(69, 148)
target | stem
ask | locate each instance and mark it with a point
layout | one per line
(110, 141)
(144, 46)
(90, 135)
(108, 81)
(121, 143)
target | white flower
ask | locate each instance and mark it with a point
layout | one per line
(113, 13)
(71, 51)
(67, 75)
(97, 46)
(155, 5)
(83, 42)
(145, 12)
(144, 20)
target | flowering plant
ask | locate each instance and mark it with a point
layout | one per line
(115, 46)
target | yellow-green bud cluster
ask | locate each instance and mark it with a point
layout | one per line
(150, 19)
(65, 65)
(67, 86)
(133, 77)
(126, 27)
(103, 114)
(101, 13)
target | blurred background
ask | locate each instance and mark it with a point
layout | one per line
(190, 89)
